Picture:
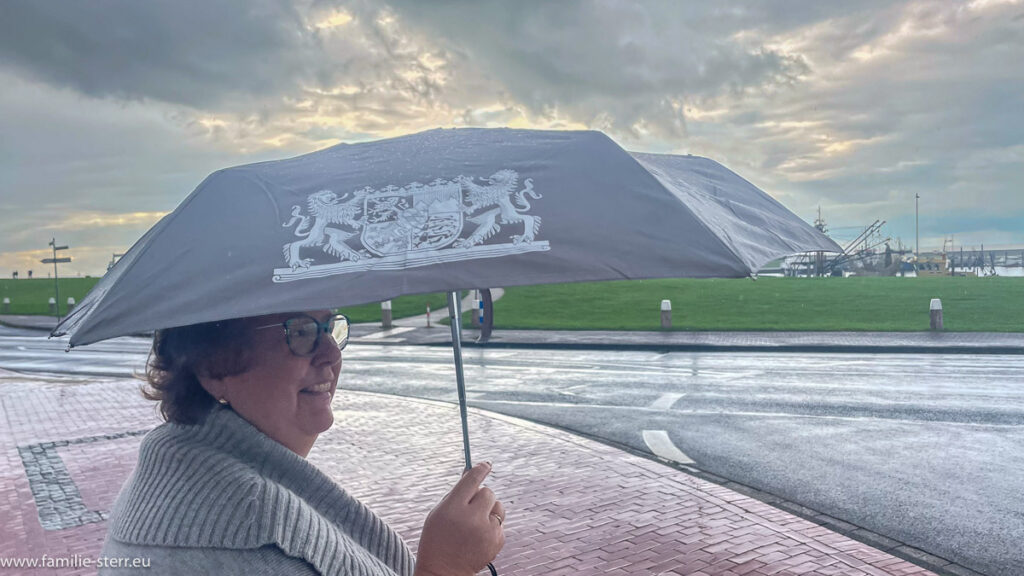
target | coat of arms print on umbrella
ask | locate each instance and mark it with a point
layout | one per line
(414, 225)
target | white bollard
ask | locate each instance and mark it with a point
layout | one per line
(474, 316)
(428, 315)
(7, 306)
(53, 305)
(385, 313)
(666, 313)
(936, 314)
(71, 304)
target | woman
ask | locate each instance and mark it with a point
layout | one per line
(224, 488)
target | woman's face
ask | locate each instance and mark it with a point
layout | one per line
(285, 396)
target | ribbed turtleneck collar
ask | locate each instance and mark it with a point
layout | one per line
(222, 483)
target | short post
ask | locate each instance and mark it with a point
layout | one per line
(936, 314)
(7, 306)
(474, 315)
(71, 304)
(666, 314)
(53, 305)
(428, 315)
(385, 313)
(486, 315)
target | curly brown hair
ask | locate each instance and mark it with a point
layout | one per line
(181, 355)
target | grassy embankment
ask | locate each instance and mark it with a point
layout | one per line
(884, 304)
(865, 304)
(32, 296)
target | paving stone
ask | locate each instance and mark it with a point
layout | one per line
(574, 506)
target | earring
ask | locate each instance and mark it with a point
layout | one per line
(223, 401)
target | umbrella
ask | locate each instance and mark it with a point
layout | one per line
(442, 210)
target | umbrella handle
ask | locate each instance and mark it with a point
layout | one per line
(456, 320)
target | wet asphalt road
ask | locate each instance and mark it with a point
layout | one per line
(925, 449)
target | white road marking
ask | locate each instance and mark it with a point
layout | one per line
(661, 445)
(378, 339)
(387, 333)
(666, 401)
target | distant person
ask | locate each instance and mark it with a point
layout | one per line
(224, 487)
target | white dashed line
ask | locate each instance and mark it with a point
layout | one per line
(660, 444)
(665, 401)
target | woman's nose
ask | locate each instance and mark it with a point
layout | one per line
(328, 351)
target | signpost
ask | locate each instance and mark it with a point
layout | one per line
(55, 261)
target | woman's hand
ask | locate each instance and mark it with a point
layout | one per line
(463, 533)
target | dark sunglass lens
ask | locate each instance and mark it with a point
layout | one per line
(302, 333)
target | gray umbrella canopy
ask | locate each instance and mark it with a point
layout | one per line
(437, 211)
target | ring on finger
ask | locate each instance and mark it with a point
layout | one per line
(498, 517)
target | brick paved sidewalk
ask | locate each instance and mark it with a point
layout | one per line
(574, 506)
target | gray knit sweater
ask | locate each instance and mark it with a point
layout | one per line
(221, 497)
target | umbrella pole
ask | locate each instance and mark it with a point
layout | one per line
(456, 319)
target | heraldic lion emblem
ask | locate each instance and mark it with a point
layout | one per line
(414, 223)
(325, 208)
(499, 192)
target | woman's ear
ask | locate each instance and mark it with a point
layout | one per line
(215, 387)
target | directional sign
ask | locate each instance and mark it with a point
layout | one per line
(55, 260)
(60, 247)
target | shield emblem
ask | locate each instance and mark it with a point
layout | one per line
(414, 218)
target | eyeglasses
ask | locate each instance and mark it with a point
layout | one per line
(303, 332)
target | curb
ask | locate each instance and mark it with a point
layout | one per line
(667, 347)
(805, 348)
(10, 324)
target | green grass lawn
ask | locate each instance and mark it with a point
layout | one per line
(32, 296)
(884, 304)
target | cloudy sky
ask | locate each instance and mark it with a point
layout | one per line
(112, 111)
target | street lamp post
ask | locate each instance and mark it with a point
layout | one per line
(55, 261)
(917, 229)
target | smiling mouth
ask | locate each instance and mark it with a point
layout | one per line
(318, 388)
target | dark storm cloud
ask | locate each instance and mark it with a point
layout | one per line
(610, 64)
(194, 52)
(120, 108)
